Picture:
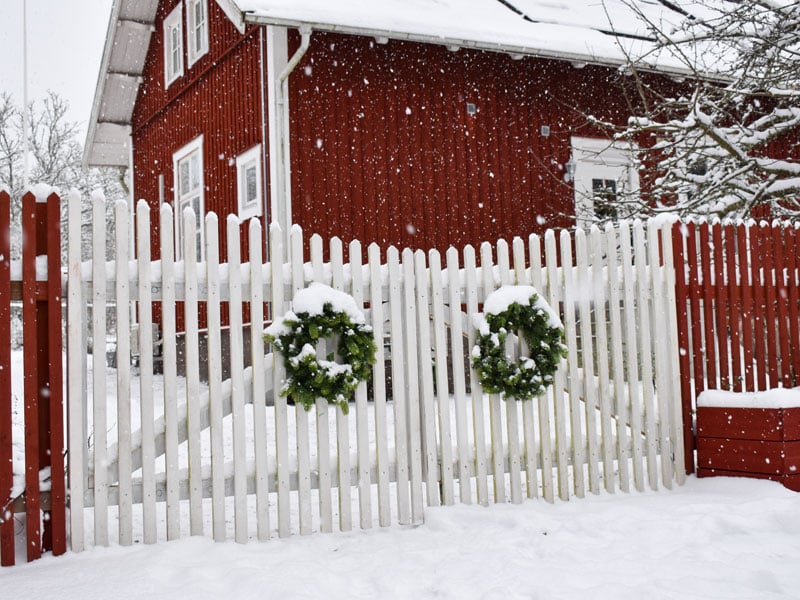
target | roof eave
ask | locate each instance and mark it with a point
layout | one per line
(468, 44)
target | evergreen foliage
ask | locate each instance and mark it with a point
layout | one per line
(529, 376)
(308, 377)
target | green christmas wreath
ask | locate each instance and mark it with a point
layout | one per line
(321, 312)
(517, 309)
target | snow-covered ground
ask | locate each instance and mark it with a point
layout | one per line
(712, 538)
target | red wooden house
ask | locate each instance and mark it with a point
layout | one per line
(422, 124)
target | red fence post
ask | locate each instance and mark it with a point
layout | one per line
(6, 467)
(30, 342)
(56, 526)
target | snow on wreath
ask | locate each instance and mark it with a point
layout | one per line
(321, 312)
(517, 309)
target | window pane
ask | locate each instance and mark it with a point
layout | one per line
(251, 185)
(184, 184)
(200, 25)
(194, 172)
(176, 49)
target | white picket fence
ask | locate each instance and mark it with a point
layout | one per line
(175, 455)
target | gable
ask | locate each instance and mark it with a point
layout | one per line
(130, 30)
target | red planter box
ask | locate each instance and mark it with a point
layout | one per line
(749, 442)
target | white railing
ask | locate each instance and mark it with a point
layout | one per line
(176, 454)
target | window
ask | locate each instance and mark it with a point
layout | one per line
(173, 45)
(197, 29)
(189, 191)
(606, 180)
(248, 177)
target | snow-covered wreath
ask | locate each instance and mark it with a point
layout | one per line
(321, 312)
(517, 309)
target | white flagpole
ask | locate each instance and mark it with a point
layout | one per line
(25, 115)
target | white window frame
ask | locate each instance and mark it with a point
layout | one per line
(597, 158)
(196, 50)
(181, 198)
(244, 162)
(173, 24)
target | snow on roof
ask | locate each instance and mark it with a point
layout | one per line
(579, 30)
(605, 32)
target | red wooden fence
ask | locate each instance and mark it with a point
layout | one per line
(43, 381)
(737, 309)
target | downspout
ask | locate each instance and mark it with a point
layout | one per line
(285, 126)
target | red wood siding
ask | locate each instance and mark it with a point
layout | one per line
(384, 151)
(218, 97)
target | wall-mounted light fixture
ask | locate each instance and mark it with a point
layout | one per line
(472, 109)
(569, 169)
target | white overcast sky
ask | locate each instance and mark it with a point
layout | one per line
(65, 45)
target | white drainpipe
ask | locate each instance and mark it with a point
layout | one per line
(280, 151)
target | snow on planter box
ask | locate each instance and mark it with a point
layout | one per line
(754, 434)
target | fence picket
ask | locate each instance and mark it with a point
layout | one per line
(147, 409)
(530, 466)
(679, 450)
(632, 355)
(125, 483)
(258, 382)
(476, 393)
(7, 557)
(459, 385)
(169, 356)
(573, 376)
(362, 414)
(398, 387)
(426, 363)
(99, 414)
(720, 301)
(322, 412)
(734, 306)
(342, 426)
(237, 380)
(215, 378)
(660, 316)
(644, 293)
(442, 386)
(33, 441)
(601, 348)
(301, 414)
(76, 367)
(276, 256)
(410, 358)
(379, 385)
(495, 403)
(512, 407)
(543, 402)
(192, 338)
(794, 301)
(557, 389)
(582, 285)
(618, 363)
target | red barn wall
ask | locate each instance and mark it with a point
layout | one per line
(219, 97)
(384, 150)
